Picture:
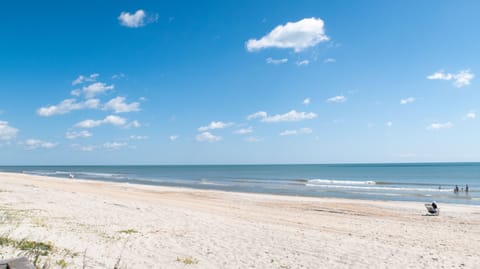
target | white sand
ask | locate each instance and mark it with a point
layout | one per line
(228, 230)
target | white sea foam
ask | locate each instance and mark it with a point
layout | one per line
(378, 188)
(344, 182)
(204, 181)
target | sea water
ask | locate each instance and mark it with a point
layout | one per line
(400, 182)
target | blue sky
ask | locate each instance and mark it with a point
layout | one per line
(212, 82)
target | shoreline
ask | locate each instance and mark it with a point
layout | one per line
(425, 199)
(150, 226)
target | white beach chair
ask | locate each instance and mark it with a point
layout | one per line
(432, 211)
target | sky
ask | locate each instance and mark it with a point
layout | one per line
(244, 82)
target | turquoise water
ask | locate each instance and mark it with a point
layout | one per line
(401, 182)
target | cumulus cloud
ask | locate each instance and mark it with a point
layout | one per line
(306, 101)
(82, 79)
(437, 126)
(302, 62)
(138, 137)
(276, 61)
(74, 134)
(118, 105)
(208, 137)
(296, 132)
(256, 115)
(407, 100)
(173, 138)
(243, 131)
(66, 106)
(337, 99)
(96, 89)
(114, 145)
(298, 36)
(31, 144)
(389, 124)
(133, 124)
(329, 60)
(111, 119)
(215, 125)
(7, 132)
(86, 148)
(460, 79)
(118, 76)
(471, 115)
(289, 116)
(138, 19)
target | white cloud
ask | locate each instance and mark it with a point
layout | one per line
(66, 106)
(138, 137)
(74, 134)
(460, 79)
(276, 61)
(7, 132)
(111, 119)
(306, 101)
(243, 131)
(288, 132)
(207, 137)
(96, 88)
(138, 19)
(256, 115)
(118, 105)
(329, 60)
(118, 76)
(89, 123)
(173, 138)
(82, 79)
(389, 124)
(114, 145)
(407, 100)
(290, 116)
(31, 144)
(114, 120)
(295, 132)
(463, 78)
(215, 125)
(337, 99)
(436, 126)
(253, 139)
(133, 124)
(86, 148)
(471, 115)
(298, 35)
(302, 62)
(134, 20)
(440, 75)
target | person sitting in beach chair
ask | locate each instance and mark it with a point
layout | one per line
(432, 209)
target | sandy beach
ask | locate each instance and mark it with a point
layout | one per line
(89, 224)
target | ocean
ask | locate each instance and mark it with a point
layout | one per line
(422, 182)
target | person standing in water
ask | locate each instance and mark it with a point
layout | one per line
(466, 188)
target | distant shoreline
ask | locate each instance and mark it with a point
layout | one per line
(383, 182)
(245, 164)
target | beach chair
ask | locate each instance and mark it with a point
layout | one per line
(432, 211)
